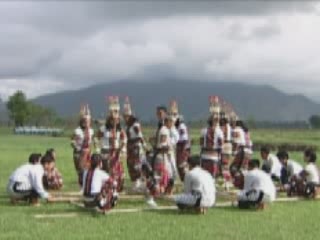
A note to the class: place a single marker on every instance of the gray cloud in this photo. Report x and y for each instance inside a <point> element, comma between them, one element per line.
<point>75,44</point>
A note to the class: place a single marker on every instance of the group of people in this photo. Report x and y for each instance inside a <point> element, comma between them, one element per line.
<point>35,178</point>
<point>154,166</point>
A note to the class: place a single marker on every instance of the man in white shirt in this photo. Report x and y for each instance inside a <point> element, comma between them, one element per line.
<point>271,163</point>
<point>199,188</point>
<point>99,189</point>
<point>258,188</point>
<point>25,183</point>
<point>309,182</point>
<point>290,171</point>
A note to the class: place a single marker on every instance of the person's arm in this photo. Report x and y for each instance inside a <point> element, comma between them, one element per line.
<point>188,183</point>
<point>36,182</point>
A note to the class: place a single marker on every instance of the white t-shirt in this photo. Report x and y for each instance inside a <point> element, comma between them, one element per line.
<point>163,133</point>
<point>312,173</point>
<point>274,164</point>
<point>293,168</point>
<point>30,175</point>
<point>259,180</point>
<point>183,132</point>
<point>238,136</point>
<point>201,181</point>
<point>98,179</point>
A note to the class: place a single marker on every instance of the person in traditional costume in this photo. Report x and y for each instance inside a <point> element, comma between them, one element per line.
<point>158,179</point>
<point>99,189</point>
<point>271,163</point>
<point>112,141</point>
<point>241,156</point>
<point>211,140</point>
<point>290,172</point>
<point>25,183</point>
<point>171,159</point>
<point>135,146</point>
<point>199,188</point>
<point>183,145</point>
<point>258,188</point>
<point>307,183</point>
<point>52,179</point>
<point>81,142</point>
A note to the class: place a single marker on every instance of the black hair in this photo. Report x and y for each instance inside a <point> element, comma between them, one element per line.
<point>265,149</point>
<point>34,158</point>
<point>223,121</point>
<point>50,152</point>
<point>254,163</point>
<point>311,155</point>
<point>162,108</point>
<point>96,159</point>
<point>46,159</point>
<point>283,154</point>
<point>194,160</point>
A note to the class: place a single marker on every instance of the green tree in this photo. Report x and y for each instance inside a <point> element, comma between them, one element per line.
<point>314,121</point>
<point>18,108</point>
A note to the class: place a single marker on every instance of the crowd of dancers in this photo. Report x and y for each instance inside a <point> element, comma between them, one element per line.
<point>155,164</point>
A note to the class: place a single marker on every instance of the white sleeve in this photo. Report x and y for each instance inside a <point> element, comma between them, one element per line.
<point>36,181</point>
<point>104,176</point>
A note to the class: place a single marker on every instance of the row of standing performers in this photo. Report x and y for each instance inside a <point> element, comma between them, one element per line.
<point>225,147</point>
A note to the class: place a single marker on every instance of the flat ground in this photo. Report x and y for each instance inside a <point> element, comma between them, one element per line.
<point>296,220</point>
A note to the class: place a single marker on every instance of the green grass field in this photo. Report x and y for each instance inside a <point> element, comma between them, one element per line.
<point>298,220</point>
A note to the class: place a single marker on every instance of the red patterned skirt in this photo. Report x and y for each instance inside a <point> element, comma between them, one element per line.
<point>134,161</point>
<point>183,153</point>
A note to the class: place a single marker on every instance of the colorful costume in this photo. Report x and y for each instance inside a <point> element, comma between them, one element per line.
<point>211,140</point>
<point>52,180</point>
<point>81,143</point>
<point>112,141</point>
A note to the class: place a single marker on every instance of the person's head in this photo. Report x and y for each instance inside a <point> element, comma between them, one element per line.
<point>161,113</point>
<point>194,161</point>
<point>264,152</point>
<point>96,161</point>
<point>51,152</point>
<point>169,121</point>
<point>283,157</point>
<point>223,122</point>
<point>254,163</point>
<point>212,121</point>
<point>47,162</point>
<point>84,123</point>
<point>310,156</point>
<point>129,119</point>
<point>34,158</point>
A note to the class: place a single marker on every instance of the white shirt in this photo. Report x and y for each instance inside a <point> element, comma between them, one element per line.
<point>238,136</point>
<point>293,168</point>
<point>98,179</point>
<point>30,176</point>
<point>183,132</point>
<point>164,133</point>
<point>312,173</point>
<point>259,180</point>
<point>274,164</point>
<point>79,137</point>
<point>119,138</point>
<point>218,135</point>
<point>199,180</point>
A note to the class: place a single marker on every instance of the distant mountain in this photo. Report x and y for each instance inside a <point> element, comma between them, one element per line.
<point>263,103</point>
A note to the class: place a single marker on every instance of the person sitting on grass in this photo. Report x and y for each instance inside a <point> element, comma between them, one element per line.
<point>99,189</point>
<point>199,188</point>
<point>290,171</point>
<point>52,179</point>
<point>308,181</point>
<point>271,163</point>
<point>25,183</point>
<point>258,188</point>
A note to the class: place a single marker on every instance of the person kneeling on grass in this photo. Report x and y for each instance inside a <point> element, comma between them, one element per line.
<point>290,172</point>
<point>52,179</point>
<point>99,189</point>
<point>25,183</point>
<point>199,188</point>
<point>258,188</point>
<point>307,183</point>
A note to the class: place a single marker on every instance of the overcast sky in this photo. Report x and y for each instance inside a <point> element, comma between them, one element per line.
<point>53,46</point>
